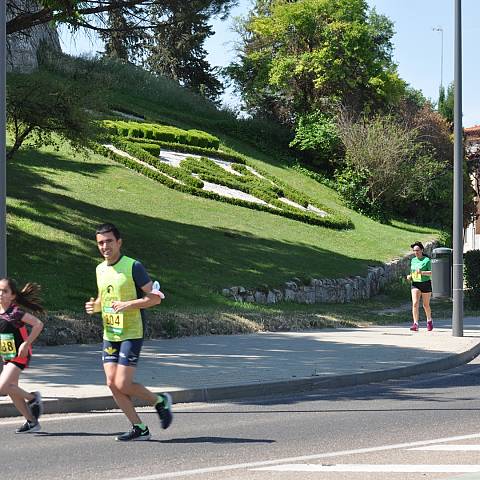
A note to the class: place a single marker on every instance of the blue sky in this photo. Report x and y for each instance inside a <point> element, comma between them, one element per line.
<point>417,47</point>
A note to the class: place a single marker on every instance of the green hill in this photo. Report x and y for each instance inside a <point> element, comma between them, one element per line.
<point>194,245</point>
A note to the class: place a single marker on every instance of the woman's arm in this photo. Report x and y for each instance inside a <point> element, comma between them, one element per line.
<point>37,327</point>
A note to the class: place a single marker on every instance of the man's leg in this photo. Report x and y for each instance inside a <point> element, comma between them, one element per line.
<point>122,399</point>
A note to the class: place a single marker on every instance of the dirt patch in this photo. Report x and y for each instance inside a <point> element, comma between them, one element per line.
<point>65,328</point>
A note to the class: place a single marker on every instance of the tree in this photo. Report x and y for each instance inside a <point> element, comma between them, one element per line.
<point>446,102</point>
<point>167,35</point>
<point>297,57</point>
<point>25,14</point>
<point>175,49</point>
<point>123,40</point>
<point>44,110</point>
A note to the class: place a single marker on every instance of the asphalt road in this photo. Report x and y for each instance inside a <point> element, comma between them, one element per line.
<point>424,427</point>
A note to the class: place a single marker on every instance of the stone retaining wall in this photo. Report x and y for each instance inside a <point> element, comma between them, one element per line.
<point>339,290</point>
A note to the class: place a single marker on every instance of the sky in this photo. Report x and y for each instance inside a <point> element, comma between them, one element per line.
<point>417,46</point>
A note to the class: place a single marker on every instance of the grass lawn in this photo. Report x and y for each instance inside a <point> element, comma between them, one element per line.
<point>194,246</point>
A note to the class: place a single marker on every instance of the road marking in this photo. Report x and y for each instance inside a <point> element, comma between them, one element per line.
<point>450,448</point>
<point>93,414</point>
<point>253,465</point>
<point>66,416</point>
<point>360,467</point>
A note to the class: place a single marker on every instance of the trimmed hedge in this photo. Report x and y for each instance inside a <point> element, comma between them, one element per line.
<point>164,133</point>
<point>331,221</point>
<point>472,276</point>
<point>178,173</point>
<point>151,148</point>
<point>182,148</point>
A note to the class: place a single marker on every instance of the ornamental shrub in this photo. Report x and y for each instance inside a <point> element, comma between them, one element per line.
<point>151,148</point>
<point>164,133</point>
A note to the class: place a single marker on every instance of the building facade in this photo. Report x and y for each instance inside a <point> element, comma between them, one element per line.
<point>472,147</point>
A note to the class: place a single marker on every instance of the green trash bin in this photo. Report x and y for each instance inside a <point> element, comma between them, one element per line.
<point>442,272</point>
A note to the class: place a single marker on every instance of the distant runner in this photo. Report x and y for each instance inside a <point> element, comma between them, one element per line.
<point>124,290</point>
<point>420,276</point>
<point>16,347</point>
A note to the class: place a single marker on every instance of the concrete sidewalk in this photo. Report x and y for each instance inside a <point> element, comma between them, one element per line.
<point>196,369</point>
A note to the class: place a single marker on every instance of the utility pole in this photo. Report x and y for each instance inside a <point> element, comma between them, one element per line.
<point>3,142</point>
<point>457,313</point>
<point>440,29</point>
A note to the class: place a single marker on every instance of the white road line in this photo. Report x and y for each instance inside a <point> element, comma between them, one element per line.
<point>398,468</point>
<point>94,414</point>
<point>253,465</point>
<point>66,416</point>
<point>450,448</point>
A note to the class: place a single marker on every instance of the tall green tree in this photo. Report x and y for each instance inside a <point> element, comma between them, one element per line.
<point>175,48</point>
<point>446,102</point>
<point>299,56</point>
<point>123,39</point>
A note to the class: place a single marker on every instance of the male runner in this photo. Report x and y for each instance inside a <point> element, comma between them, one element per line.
<point>124,291</point>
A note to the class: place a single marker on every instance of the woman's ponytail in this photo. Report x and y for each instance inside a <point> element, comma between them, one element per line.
<point>28,297</point>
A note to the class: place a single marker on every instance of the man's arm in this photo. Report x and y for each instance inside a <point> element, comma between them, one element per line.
<point>149,300</point>
<point>145,284</point>
<point>93,305</point>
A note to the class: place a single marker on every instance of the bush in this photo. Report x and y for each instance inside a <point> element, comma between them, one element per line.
<point>352,184</point>
<point>178,173</point>
<point>208,152</point>
<point>151,148</point>
<point>472,276</point>
<point>397,166</point>
<point>317,135</point>
<point>164,133</point>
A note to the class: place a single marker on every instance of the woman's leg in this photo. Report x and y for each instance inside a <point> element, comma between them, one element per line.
<point>426,305</point>
<point>416,294</point>
<point>9,386</point>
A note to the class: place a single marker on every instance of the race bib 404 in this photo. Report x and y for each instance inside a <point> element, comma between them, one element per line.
<point>113,322</point>
<point>8,350</point>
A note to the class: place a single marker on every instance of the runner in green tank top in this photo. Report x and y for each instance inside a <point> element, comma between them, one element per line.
<point>420,276</point>
<point>124,291</point>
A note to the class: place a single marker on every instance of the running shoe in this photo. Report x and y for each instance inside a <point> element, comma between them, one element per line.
<point>36,405</point>
<point>134,434</point>
<point>28,427</point>
<point>430,325</point>
<point>414,327</point>
<point>164,410</point>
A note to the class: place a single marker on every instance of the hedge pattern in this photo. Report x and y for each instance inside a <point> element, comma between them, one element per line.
<point>183,148</point>
<point>332,220</point>
<point>165,133</point>
<point>178,173</point>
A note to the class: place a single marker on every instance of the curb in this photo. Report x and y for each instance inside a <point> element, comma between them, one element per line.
<point>211,394</point>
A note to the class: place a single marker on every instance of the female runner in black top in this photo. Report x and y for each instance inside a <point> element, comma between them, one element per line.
<point>16,347</point>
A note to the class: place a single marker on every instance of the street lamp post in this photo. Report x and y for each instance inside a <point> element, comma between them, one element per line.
<point>440,29</point>
<point>3,160</point>
<point>457,313</point>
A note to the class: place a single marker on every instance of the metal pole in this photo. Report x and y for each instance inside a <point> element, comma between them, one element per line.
<point>440,29</point>
<point>441,61</point>
<point>3,160</point>
<point>457,316</point>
